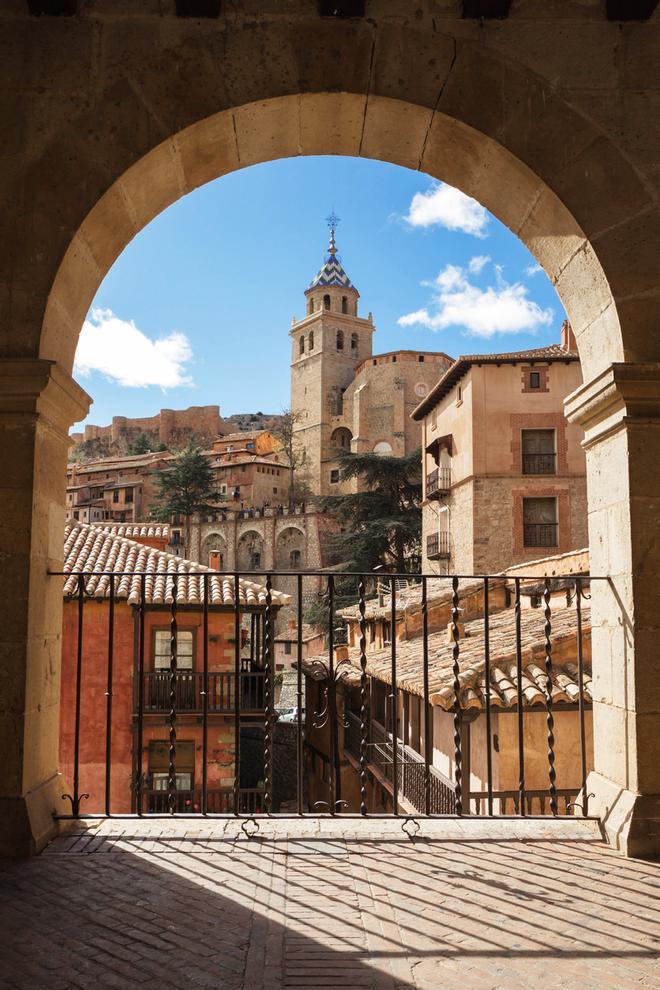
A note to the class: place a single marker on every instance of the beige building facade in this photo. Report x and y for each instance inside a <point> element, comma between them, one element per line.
<point>504,472</point>
<point>343,396</point>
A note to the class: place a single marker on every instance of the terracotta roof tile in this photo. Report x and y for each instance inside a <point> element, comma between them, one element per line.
<point>148,530</point>
<point>88,549</point>
<point>503,680</point>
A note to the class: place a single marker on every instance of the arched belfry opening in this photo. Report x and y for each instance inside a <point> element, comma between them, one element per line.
<point>452,98</point>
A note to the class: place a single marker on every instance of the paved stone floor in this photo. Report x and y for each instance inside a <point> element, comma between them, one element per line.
<point>471,904</point>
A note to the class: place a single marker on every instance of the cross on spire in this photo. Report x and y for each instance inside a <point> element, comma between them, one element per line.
<point>332,220</point>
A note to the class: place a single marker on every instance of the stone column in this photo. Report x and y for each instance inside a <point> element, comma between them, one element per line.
<point>38,403</point>
<point>620,414</point>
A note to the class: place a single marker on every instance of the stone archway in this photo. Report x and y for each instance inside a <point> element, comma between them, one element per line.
<point>496,113</point>
<point>290,549</point>
<point>250,550</point>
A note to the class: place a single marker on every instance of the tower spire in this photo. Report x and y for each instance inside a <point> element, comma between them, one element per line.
<point>332,220</point>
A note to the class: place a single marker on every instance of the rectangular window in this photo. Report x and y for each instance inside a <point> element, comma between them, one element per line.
<point>115,495</point>
<point>334,476</point>
<point>274,491</point>
<point>287,647</point>
<point>538,452</point>
<point>184,649</point>
<point>535,379</point>
<point>540,522</point>
<point>128,495</point>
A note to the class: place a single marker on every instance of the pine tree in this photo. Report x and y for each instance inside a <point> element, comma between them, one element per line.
<point>186,487</point>
<point>383,522</point>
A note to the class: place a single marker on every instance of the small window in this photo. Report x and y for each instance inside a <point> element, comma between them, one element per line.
<point>354,342</point>
<point>310,340</point>
<point>115,495</point>
<point>344,304</point>
<point>287,647</point>
<point>459,395</point>
<point>421,359</point>
<point>540,522</point>
<point>301,350</point>
<point>274,491</point>
<point>184,649</point>
<point>334,476</point>
<point>535,379</point>
<point>326,302</point>
<point>295,558</point>
<point>538,452</point>
<point>128,495</point>
<point>340,340</point>
<point>310,306</point>
<point>255,560</point>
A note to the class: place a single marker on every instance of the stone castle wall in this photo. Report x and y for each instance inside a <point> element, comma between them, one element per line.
<point>169,426</point>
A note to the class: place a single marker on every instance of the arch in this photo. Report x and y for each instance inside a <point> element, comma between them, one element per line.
<point>383,447</point>
<point>310,340</point>
<point>250,551</point>
<point>354,341</point>
<point>341,438</point>
<point>290,549</point>
<point>344,304</point>
<point>326,301</point>
<point>340,340</point>
<point>301,344</point>
<point>213,542</point>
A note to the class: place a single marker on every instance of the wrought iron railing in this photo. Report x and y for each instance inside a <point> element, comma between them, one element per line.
<point>540,534</point>
<point>539,463</point>
<point>190,694</point>
<point>122,723</point>
<point>437,546</point>
<point>438,482</point>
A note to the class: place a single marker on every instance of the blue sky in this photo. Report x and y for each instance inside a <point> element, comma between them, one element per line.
<point>198,307</point>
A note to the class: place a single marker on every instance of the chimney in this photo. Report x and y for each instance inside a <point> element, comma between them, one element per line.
<point>568,341</point>
<point>292,624</point>
<point>214,560</point>
<point>450,631</point>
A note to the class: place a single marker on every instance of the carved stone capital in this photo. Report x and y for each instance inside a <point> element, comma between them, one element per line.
<point>621,393</point>
<point>42,389</point>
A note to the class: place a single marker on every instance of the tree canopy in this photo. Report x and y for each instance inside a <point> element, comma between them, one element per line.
<point>187,486</point>
<point>382,522</point>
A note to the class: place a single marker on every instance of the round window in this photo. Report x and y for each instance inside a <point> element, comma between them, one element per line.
<point>421,389</point>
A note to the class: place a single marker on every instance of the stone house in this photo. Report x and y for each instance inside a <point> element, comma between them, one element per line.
<point>504,471</point>
<point>89,550</point>
<point>118,489</point>
<point>345,397</point>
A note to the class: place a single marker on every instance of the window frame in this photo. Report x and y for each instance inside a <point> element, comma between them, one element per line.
<point>180,629</point>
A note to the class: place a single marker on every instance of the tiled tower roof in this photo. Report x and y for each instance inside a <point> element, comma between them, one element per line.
<point>332,272</point>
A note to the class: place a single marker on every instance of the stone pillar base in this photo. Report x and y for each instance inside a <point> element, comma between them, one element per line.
<point>631,822</point>
<point>27,821</point>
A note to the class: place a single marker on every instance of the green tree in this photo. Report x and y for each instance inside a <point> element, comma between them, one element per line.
<point>294,454</point>
<point>382,522</point>
<point>139,445</point>
<point>187,486</point>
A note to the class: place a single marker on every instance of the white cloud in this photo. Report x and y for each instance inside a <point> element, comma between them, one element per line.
<point>482,312</point>
<point>444,206</point>
<point>477,264</point>
<point>122,353</point>
<point>532,270</point>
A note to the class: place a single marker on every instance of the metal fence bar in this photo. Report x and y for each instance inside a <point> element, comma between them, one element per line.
<point>238,691</point>
<point>427,713</point>
<point>299,698</point>
<point>363,698</point>
<point>205,693</point>
<point>458,740</point>
<point>394,702</point>
<point>108,695</point>
<point>580,660</point>
<point>171,770</point>
<point>139,780</point>
<point>519,669</point>
<point>268,687</point>
<point>333,776</point>
<point>489,733</point>
<point>75,797</point>
<point>552,773</point>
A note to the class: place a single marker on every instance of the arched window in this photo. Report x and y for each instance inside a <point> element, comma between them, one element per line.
<point>310,305</point>
<point>302,345</point>
<point>340,340</point>
<point>295,558</point>
<point>344,304</point>
<point>326,302</point>
<point>341,438</point>
<point>255,560</point>
<point>310,341</point>
<point>354,341</point>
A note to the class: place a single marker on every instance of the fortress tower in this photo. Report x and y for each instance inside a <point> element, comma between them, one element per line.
<point>327,346</point>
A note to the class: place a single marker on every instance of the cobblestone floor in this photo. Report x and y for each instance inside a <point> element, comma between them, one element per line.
<point>169,904</point>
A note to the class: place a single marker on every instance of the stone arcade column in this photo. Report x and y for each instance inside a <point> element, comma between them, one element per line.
<point>620,414</point>
<point>38,403</point>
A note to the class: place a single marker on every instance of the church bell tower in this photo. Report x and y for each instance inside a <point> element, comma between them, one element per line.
<point>327,345</point>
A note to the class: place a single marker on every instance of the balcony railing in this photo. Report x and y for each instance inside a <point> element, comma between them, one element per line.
<point>437,546</point>
<point>189,691</point>
<point>189,802</point>
<point>540,534</point>
<point>539,464</point>
<point>121,722</point>
<point>438,483</point>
